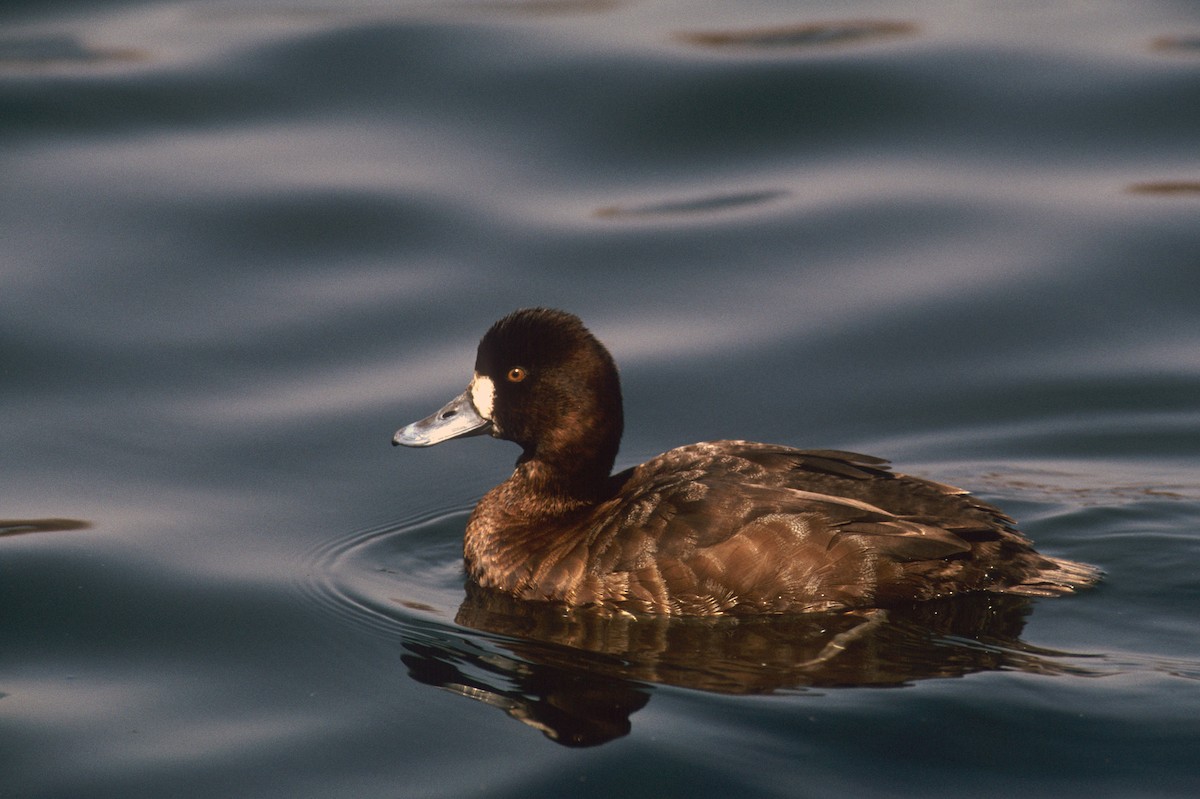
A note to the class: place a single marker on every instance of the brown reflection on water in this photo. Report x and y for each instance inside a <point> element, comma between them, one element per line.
<point>1057,485</point>
<point>11,527</point>
<point>1167,187</point>
<point>548,7</point>
<point>695,205</point>
<point>1184,45</point>
<point>817,34</point>
<point>578,675</point>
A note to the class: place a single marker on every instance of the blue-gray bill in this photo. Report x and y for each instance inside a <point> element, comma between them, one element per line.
<point>456,419</point>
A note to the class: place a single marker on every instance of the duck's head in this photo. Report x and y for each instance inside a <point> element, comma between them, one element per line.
<point>544,381</point>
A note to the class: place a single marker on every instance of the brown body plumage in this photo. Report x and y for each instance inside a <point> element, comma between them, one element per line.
<point>711,528</point>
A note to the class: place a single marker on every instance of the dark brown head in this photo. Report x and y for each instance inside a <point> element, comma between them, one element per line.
<point>544,381</point>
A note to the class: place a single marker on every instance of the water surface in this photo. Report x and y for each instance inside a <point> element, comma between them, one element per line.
<point>242,243</point>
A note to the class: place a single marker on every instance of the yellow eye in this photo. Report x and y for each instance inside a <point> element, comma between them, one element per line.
<point>516,374</point>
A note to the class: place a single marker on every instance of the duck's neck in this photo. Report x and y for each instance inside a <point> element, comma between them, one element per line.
<point>551,493</point>
<point>531,521</point>
<point>571,473</point>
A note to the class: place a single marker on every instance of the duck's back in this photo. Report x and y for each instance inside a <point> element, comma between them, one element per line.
<point>735,527</point>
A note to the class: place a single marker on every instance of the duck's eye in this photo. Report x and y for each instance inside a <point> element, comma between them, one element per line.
<point>516,374</point>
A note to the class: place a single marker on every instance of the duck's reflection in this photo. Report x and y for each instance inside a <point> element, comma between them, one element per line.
<point>25,526</point>
<point>577,675</point>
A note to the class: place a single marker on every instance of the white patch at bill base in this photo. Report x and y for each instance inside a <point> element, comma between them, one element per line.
<point>483,396</point>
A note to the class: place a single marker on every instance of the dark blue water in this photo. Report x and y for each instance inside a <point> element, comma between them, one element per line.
<point>242,242</point>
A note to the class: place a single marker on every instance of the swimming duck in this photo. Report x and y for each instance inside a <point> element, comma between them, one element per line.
<point>720,527</point>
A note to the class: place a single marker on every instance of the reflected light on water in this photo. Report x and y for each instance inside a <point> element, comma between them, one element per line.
<point>340,391</point>
<point>55,52</point>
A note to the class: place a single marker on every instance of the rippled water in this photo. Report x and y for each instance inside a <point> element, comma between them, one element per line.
<point>241,243</point>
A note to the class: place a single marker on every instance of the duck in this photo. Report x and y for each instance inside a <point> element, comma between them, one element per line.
<point>709,529</point>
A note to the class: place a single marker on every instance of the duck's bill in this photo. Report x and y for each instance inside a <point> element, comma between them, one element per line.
<point>457,419</point>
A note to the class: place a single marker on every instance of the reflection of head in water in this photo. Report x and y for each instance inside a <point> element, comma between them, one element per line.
<point>569,706</point>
